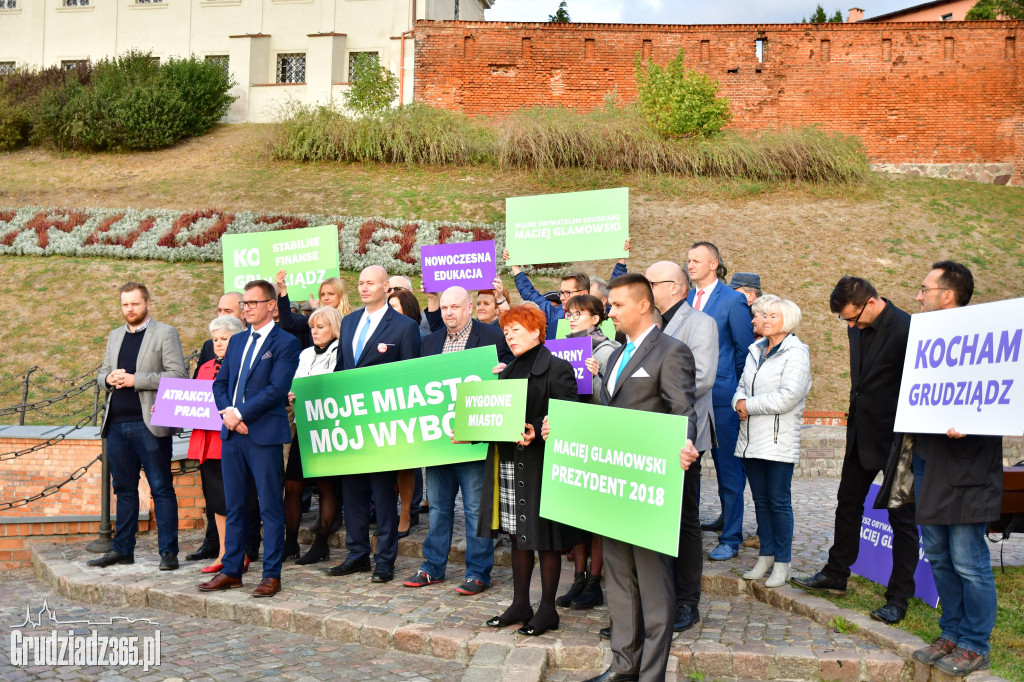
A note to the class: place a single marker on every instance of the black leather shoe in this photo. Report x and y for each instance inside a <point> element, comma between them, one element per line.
<point>111,558</point>
<point>384,573</point>
<point>503,621</point>
<point>819,582</point>
<point>686,618</point>
<point>890,614</point>
<point>715,525</point>
<point>350,566</point>
<point>609,676</point>
<point>203,552</point>
<point>168,561</point>
<point>531,630</point>
<point>605,633</point>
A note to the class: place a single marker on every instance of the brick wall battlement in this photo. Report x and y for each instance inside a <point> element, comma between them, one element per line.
<point>915,93</point>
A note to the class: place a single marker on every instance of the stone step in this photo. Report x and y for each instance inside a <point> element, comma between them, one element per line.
<point>440,624</point>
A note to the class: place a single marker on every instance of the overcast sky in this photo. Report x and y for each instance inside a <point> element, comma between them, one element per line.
<point>684,11</point>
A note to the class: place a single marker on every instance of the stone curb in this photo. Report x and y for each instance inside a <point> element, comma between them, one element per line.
<point>499,654</point>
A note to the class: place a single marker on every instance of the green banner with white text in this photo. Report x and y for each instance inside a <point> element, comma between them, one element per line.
<point>387,417</point>
<point>615,472</point>
<point>309,255</point>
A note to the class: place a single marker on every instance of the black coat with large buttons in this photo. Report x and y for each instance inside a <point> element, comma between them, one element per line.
<point>548,378</point>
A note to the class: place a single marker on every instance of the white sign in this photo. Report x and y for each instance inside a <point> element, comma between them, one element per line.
<point>965,370</point>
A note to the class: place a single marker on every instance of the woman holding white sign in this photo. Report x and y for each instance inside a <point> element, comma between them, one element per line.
<point>320,358</point>
<point>513,474</point>
<point>770,403</point>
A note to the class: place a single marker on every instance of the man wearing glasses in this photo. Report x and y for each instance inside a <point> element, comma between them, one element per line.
<point>878,333</point>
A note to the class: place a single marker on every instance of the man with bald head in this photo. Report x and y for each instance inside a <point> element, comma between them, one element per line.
<point>460,332</point>
<point>373,335</point>
<point>700,334</point>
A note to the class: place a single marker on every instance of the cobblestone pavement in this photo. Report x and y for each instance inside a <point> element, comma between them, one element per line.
<point>205,649</point>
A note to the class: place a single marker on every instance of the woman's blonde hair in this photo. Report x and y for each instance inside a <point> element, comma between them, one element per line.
<point>332,318</point>
<point>344,307</point>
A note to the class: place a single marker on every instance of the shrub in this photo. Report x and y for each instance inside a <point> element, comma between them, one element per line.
<point>679,102</point>
<point>373,86</point>
<point>20,94</point>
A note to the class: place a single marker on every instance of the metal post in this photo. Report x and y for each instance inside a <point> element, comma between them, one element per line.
<point>96,404</point>
<point>103,543</point>
<point>24,397</point>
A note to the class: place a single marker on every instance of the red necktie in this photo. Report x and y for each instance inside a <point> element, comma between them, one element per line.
<point>700,293</point>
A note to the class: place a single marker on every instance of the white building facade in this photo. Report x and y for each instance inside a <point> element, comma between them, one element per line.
<point>278,51</point>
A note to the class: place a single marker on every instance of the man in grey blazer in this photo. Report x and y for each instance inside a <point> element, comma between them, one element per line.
<point>138,355</point>
<point>656,373</point>
<point>699,332</point>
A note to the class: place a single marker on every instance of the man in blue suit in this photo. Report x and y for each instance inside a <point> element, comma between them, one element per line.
<point>729,309</point>
<point>373,335</point>
<point>460,332</point>
<point>251,390</point>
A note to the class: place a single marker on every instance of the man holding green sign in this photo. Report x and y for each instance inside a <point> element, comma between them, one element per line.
<point>651,373</point>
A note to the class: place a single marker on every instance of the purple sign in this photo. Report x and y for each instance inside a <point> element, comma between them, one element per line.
<point>470,265</point>
<point>874,560</point>
<point>576,351</point>
<point>186,404</point>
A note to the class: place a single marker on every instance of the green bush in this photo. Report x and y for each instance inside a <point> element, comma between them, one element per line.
<point>679,102</point>
<point>373,86</point>
<point>20,94</point>
<point>126,103</point>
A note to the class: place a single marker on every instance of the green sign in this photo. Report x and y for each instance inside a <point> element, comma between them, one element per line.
<point>615,472</point>
<point>562,329</point>
<point>387,417</point>
<point>309,255</point>
<point>554,228</point>
<point>495,411</point>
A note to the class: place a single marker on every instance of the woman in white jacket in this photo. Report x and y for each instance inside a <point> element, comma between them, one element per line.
<point>770,403</point>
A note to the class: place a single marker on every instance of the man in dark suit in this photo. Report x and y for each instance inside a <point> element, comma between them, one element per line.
<point>460,332</point>
<point>373,335</point>
<point>656,373</point>
<point>729,308</point>
<point>700,334</point>
<point>878,344</point>
<point>251,390</point>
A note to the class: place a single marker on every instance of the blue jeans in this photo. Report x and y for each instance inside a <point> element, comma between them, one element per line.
<point>731,479</point>
<point>963,576</point>
<point>770,484</point>
<point>443,482</point>
<point>131,446</point>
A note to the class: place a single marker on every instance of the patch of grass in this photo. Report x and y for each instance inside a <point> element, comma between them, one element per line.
<point>864,596</point>
<point>842,625</point>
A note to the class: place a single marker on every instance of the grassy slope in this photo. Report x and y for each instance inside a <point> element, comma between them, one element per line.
<point>801,238</point>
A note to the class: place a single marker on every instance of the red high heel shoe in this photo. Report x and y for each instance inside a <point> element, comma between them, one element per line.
<point>245,566</point>
<point>213,568</point>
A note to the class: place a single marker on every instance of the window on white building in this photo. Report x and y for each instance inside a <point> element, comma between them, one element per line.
<point>220,60</point>
<point>7,67</point>
<point>352,56</point>
<point>149,2</point>
<point>71,64</point>
<point>8,4</point>
<point>76,3</point>
<point>291,68</point>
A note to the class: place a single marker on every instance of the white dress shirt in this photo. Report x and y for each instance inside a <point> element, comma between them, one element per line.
<point>613,375</point>
<point>264,332</point>
<point>375,318</point>
<point>707,294</point>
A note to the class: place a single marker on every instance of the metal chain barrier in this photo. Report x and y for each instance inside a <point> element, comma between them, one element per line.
<point>50,489</point>
<point>71,393</point>
<point>14,454</point>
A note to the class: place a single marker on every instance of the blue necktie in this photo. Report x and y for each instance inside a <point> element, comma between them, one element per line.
<point>243,374</point>
<point>361,341</point>
<point>626,355</point>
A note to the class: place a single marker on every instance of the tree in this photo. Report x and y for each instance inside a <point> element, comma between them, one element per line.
<point>373,87</point>
<point>996,9</point>
<point>818,16</point>
<point>677,101</point>
<point>561,15</point>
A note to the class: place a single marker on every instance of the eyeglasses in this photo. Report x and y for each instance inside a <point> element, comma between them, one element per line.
<point>253,304</point>
<point>853,320</point>
<point>392,290</point>
<point>575,315</point>
<point>567,294</point>
<point>665,281</point>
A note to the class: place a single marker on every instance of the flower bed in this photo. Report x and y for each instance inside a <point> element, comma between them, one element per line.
<point>195,235</point>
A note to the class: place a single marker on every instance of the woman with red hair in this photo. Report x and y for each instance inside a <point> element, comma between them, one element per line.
<point>510,500</point>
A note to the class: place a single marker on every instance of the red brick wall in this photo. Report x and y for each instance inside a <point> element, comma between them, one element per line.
<point>935,92</point>
<point>30,474</point>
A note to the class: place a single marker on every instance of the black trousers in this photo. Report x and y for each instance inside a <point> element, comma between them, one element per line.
<point>689,564</point>
<point>853,488</point>
<point>358,490</point>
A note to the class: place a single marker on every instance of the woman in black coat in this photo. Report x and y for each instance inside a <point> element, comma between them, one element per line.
<point>510,499</point>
